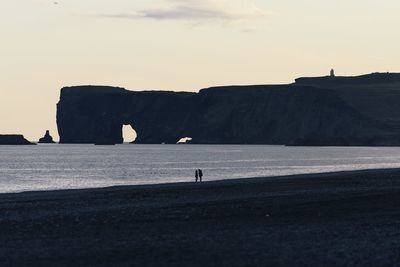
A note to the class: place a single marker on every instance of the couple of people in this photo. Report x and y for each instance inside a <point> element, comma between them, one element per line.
<point>198,174</point>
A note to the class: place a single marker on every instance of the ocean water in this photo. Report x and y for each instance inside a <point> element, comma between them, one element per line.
<point>48,167</point>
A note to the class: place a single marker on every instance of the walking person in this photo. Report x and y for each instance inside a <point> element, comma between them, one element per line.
<point>201,175</point>
<point>196,175</point>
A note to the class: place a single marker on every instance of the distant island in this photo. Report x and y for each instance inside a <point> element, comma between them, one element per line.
<point>314,111</point>
<point>14,139</point>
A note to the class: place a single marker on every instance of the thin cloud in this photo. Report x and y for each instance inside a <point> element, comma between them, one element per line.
<point>197,10</point>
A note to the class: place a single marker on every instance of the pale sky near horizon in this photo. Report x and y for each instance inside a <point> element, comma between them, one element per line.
<point>180,45</point>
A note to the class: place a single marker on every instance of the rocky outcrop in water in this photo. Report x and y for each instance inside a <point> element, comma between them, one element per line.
<point>360,110</point>
<point>14,139</point>
<point>47,138</point>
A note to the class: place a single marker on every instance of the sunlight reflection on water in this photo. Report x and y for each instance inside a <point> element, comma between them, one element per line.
<point>45,167</point>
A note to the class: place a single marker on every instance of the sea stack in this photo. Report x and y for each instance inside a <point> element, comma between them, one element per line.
<point>46,139</point>
<point>14,139</point>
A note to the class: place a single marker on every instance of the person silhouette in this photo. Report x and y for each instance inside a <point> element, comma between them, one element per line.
<point>200,175</point>
<point>196,175</point>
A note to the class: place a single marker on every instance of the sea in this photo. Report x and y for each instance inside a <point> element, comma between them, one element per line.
<point>54,167</point>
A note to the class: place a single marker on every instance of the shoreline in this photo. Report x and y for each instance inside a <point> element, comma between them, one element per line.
<point>331,219</point>
<point>213,182</point>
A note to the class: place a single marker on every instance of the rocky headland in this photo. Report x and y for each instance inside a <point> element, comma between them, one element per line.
<point>323,111</point>
<point>14,139</point>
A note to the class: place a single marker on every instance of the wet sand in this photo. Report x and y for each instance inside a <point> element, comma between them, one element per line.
<point>339,219</point>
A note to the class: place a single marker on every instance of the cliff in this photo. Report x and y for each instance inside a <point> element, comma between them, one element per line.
<point>14,139</point>
<point>359,110</point>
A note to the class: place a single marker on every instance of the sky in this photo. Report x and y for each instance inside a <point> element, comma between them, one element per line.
<point>181,45</point>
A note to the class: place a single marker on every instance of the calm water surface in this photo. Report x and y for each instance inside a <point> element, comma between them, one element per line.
<point>44,167</point>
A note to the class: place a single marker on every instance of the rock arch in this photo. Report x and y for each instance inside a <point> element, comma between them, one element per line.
<point>281,114</point>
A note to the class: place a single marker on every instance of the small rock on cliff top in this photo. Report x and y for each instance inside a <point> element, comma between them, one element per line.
<point>46,139</point>
<point>14,139</point>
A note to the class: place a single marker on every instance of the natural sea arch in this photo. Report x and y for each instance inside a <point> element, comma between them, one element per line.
<point>128,133</point>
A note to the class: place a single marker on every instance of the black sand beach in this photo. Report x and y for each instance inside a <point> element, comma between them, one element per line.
<point>340,219</point>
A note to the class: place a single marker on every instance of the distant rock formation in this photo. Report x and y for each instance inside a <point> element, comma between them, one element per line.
<point>46,139</point>
<point>14,139</point>
<point>348,111</point>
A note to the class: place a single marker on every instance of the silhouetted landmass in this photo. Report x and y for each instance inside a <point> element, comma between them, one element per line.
<point>340,219</point>
<point>368,79</point>
<point>47,138</point>
<point>14,139</point>
<point>361,110</point>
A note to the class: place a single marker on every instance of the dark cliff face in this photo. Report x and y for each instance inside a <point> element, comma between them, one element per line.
<point>96,115</point>
<point>284,114</point>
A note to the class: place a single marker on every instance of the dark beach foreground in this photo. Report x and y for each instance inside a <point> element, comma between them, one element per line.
<point>339,219</point>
